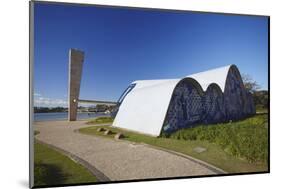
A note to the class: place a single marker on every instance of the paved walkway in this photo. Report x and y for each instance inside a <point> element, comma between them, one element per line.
<point>117,160</point>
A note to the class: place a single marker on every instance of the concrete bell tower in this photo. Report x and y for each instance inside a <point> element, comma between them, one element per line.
<point>76,59</point>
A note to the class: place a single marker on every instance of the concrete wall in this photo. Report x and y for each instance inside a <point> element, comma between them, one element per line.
<point>76,59</point>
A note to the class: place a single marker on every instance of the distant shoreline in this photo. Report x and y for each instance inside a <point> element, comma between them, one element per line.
<point>67,112</point>
<point>55,116</point>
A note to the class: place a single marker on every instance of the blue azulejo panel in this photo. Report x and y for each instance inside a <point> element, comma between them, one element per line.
<point>189,106</point>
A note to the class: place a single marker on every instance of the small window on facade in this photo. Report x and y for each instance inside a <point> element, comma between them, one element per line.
<point>126,92</point>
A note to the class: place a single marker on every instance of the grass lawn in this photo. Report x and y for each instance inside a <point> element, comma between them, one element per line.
<point>101,120</point>
<point>53,168</point>
<point>262,110</point>
<point>215,153</point>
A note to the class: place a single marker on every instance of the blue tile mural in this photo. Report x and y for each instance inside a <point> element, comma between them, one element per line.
<point>214,109</point>
<point>190,106</point>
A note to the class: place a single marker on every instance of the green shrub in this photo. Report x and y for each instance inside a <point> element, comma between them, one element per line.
<point>247,139</point>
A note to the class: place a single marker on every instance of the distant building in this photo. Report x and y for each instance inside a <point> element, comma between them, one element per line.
<point>101,108</point>
<point>155,106</point>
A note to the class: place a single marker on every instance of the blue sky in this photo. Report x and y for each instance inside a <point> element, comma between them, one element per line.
<point>122,45</point>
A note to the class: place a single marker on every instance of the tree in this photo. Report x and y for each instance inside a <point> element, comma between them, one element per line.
<point>260,97</point>
<point>250,85</point>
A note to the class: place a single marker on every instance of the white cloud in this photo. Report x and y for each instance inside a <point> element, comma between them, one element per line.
<point>40,101</point>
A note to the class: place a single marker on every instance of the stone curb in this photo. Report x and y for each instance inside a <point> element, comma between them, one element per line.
<point>98,174</point>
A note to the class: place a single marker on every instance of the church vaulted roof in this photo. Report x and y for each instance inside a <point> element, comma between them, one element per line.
<point>144,108</point>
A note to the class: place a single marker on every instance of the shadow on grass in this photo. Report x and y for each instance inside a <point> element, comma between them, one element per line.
<point>113,133</point>
<point>48,174</point>
<point>262,113</point>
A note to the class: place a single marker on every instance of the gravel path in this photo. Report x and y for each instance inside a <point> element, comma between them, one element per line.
<point>117,160</point>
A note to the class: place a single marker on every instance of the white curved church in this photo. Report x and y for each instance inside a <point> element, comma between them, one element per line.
<point>155,106</point>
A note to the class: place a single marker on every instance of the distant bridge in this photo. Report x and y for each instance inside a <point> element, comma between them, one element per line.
<point>76,59</point>
<point>97,102</point>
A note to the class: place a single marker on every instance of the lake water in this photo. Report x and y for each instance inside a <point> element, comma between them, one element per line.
<point>64,116</point>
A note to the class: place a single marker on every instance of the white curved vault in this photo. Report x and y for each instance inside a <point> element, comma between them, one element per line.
<point>152,106</point>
